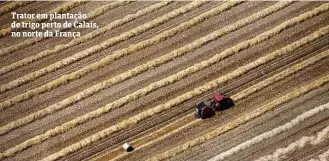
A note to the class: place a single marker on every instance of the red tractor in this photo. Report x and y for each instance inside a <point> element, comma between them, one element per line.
<point>219,102</point>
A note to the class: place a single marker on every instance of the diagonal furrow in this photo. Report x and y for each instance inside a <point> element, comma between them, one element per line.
<point>84,38</point>
<point>104,61</point>
<point>161,121</point>
<point>30,41</point>
<point>13,5</point>
<point>104,45</point>
<point>177,125</point>
<point>139,69</point>
<point>314,140</point>
<point>108,59</point>
<point>171,103</point>
<point>61,9</point>
<point>321,136</point>
<point>322,157</point>
<point>241,120</point>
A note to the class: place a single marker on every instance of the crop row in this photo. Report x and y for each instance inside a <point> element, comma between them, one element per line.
<point>133,96</point>
<point>157,135</point>
<point>281,75</point>
<point>171,103</point>
<point>150,138</point>
<point>242,94</point>
<point>149,65</point>
<point>104,45</point>
<point>243,47</point>
<point>61,9</point>
<point>322,157</point>
<point>234,74</point>
<point>281,153</point>
<point>279,130</point>
<point>103,62</point>
<point>13,5</point>
<point>27,142</point>
<point>30,41</point>
<point>86,37</point>
<point>53,132</point>
<point>241,120</point>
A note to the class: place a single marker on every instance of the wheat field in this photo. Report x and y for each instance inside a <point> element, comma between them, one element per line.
<point>137,78</point>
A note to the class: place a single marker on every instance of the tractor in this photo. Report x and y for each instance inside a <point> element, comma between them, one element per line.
<point>219,102</point>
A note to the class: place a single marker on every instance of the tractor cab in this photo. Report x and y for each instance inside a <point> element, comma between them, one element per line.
<point>204,111</point>
<point>221,102</point>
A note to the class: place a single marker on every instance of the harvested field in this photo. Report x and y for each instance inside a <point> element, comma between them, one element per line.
<point>138,77</point>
